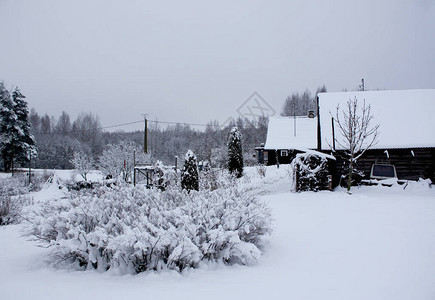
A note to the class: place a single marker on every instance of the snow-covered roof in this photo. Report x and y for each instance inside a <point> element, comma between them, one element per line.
<point>405,118</point>
<point>281,133</point>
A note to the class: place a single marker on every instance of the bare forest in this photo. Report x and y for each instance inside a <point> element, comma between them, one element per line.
<point>57,140</point>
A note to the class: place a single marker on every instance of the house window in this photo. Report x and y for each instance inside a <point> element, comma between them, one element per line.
<point>284,153</point>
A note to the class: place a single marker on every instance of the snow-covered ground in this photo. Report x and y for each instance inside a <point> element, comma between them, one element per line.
<point>378,243</point>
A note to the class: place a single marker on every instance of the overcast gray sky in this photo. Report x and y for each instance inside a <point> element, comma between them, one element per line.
<point>196,61</point>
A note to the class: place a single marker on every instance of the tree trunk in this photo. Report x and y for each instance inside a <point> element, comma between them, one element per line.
<point>349,177</point>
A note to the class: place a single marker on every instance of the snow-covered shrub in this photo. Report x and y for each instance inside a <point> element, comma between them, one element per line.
<point>83,163</point>
<point>219,157</point>
<point>134,229</point>
<point>11,208</point>
<point>235,153</point>
<point>164,176</point>
<point>13,197</point>
<point>214,179</point>
<point>261,170</point>
<point>356,178</point>
<point>118,160</point>
<point>210,179</point>
<point>39,180</point>
<point>14,185</point>
<point>190,177</point>
<point>249,159</point>
<point>310,172</point>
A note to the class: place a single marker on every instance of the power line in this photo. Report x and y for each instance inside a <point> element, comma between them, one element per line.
<point>120,125</point>
<point>181,123</point>
<point>131,123</point>
<point>93,129</point>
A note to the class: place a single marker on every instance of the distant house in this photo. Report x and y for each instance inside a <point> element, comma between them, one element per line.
<point>407,130</point>
<point>286,137</point>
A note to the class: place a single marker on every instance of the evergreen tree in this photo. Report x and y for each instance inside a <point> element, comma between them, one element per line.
<point>46,124</point>
<point>189,177</point>
<point>26,141</point>
<point>35,121</point>
<point>7,126</point>
<point>16,139</point>
<point>235,153</point>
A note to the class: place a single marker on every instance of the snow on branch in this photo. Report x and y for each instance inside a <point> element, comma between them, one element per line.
<point>358,133</point>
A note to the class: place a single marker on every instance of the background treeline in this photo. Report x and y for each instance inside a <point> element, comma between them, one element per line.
<point>300,104</point>
<point>57,139</point>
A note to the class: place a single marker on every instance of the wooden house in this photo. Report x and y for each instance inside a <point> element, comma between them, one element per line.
<point>406,130</point>
<point>406,133</point>
<point>286,137</point>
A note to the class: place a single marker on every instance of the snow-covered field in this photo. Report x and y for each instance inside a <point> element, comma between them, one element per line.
<point>378,243</point>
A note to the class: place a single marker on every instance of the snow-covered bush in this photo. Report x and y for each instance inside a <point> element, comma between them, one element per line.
<point>214,179</point>
<point>134,229</point>
<point>13,197</point>
<point>210,179</point>
<point>249,159</point>
<point>310,172</point>
<point>83,163</point>
<point>164,176</point>
<point>190,177</point>
<point>235,153</point>
<point>261,170</point>
<point>219,157</point>
<point>39,180</point>
<point>118,160</point>
<point>11,208</point>
<point>356,178</point>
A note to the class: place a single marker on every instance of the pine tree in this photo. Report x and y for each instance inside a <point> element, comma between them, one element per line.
<point>16,140</point>
<point>7,126</point>
<point>235,153</point>
<point>189,177</point>
<point>26,141</point>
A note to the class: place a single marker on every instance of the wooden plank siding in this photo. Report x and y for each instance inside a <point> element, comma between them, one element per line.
<point>408,166</point>
<point>273,155</point>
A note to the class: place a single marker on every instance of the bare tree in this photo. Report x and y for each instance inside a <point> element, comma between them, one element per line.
<point>63,125</point>
<point>87,129</point>
<point>83,163</point>
<point>320,89</point>
<point>300,104</point>
<point>358,134</point>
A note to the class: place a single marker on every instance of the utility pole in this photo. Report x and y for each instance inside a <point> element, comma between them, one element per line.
<point>319,135</point>
<point>30,167</point>
<point>145,138</point>
<point>333,133</point>
<point>294,117</point>
<point>134,167</point>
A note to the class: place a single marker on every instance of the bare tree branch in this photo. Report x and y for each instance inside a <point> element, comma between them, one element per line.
<point>358,134</point>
